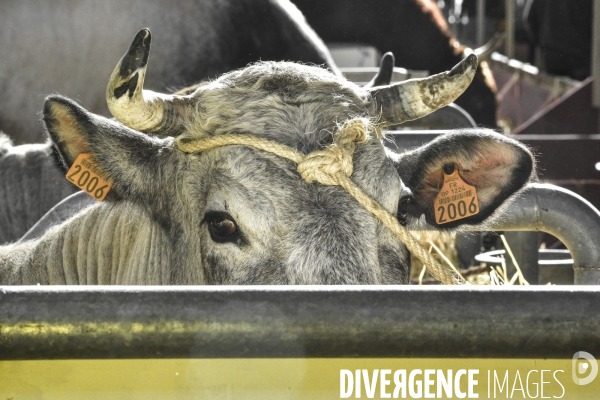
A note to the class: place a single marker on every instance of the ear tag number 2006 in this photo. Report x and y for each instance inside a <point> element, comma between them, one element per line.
<point>87,176</point>
<point>456,199</point>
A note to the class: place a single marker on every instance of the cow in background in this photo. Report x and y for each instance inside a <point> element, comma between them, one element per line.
<point>197,39</point>
<point>31,182</point>
<point>414,30</point>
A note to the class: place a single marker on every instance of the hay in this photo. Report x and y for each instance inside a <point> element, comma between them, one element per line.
<point>443,247</point>
<point>445,242</point>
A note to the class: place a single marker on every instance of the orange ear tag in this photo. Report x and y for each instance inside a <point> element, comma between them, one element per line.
<point>87,176</point>
<point>456,200</point>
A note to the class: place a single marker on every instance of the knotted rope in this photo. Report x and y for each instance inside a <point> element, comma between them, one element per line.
<point>333,166</point>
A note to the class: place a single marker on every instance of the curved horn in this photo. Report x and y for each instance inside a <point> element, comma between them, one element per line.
<point>415,98</point>
<point>386,70</point>
<point>140,109</point>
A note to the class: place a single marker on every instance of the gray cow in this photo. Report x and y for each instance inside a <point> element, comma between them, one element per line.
<point>199,39</point>
<point>238,215</point>
<point>37,36</point>
<point>32,182</point>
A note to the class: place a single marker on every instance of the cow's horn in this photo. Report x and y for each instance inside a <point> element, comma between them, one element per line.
<point>385,73</point>
<point>140,109</point>
<point>415,98</point>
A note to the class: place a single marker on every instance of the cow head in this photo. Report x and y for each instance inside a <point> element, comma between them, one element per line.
<point>237,215</point>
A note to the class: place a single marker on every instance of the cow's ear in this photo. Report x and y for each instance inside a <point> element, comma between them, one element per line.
<point>128,158</point>
<point>66,124</point>
<point>495,165</point>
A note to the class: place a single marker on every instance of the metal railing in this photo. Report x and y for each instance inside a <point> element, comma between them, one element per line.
<point>297,321</point>
<point>564,214</point>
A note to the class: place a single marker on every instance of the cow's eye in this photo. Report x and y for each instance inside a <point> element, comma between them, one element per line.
<point>222,227</point>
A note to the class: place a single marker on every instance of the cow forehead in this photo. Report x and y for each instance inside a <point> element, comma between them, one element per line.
<point>286,102</point>
<point>281,77</point>
<point>299,106</point>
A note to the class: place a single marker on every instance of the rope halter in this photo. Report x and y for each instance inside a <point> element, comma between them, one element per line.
<point>329,165</point>
<point>333,166</point>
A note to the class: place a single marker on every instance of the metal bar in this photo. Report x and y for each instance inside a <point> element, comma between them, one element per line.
<point>596,54</point>
<point>529,74</point>
<point>564,214</point>
<point>362,75</point>
<point>244,322</point>
<point>480,23</point>
<point>509,7</point>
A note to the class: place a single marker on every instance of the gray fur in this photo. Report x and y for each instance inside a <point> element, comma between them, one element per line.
<point>153,227</point>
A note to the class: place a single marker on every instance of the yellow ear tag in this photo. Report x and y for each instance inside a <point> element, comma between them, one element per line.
<point>87,176</point>
<point>456,200</point>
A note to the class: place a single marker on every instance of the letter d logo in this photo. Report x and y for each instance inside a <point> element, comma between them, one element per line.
<point>583,367</point>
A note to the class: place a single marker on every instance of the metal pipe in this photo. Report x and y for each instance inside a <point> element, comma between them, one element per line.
<point>509,7</point>
<point>480,23</point>
<point>564,214</point>
<point>64,322</point>
<point>596,54</point>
